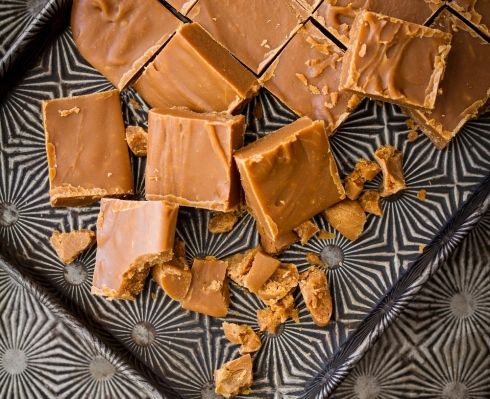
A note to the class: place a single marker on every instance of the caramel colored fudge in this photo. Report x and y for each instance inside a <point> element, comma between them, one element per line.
<point>475,11</point>
<point>316,293</point>
<point>274,246</point>
<point>239,265</point>
<point>137,139</point>
<point>182,6</point>
<point>262,268</point>
<point>347,217</point>
<point>132,237</point>
<point>370,202</point>
<point>208,293</point>
<point>69,245</point>
<point>196,72</point>
<point>391,162</point>
<point>363,171</point>
<point>230,22</point>
<point>119,36</point>
<point>396,61</point>
<point>190,158</point>
<point>464,91</point>
<point>222,222</point>
<point>338,15</point>
<point>234,377</point>
<point>87,154</point>
<point>306,76</point>
<point>271,317</point>
<point>306,231</point>
<point>282,281</point>
<point>289,176</point>
<point>243,335</point>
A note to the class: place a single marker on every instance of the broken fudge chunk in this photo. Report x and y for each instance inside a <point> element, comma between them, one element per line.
<point>137,139</point>
<point>393,60</point>
<point>277,313</point>
<point>222,222</point>
<point>208,293</point>
<point>282,281</point>
<point>234,377</point>
<point>306,230</point>
<point>347,217</point>
<point>370,202</point>
<point>132,237</point>
<point>363,171</point>
<point>240,264</point>
<point>316,293</point>
<point>69,245</point>
<point>475,11</point>
<point>314,259</point>
<point>391,162</point>
<point>243,335</point>
<point>207,78</point>
<point>190,158</point>
<point>87,155</point>
<point>274,246</point>
<point>119,36</point>
<point>262,268</point>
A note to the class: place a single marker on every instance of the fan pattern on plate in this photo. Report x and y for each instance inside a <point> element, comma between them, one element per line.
<point>177,344</point>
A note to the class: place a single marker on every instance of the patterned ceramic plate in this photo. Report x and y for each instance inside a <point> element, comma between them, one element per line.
<point>157,349</point>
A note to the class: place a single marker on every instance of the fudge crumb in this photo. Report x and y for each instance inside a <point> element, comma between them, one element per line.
<point>370,202</point>
<point>313,259</point>
<point>314,89</point>
<point>243,335</point>
<point>302,78</point>
<point>363,171</point>
<point>69,246</point>
<point>306,231</point>
<point>421,248</point>
<point>313,285</point>
<point>264,44</point>
<point>135,104</point>
<point>67,112</point>
<point>347,217</point>
<point>422,194</point>
<point>282,281</point>
<point>234,377</point>
<point>137,139</point>
<point>391,162</point>
<point>325,235</point>
<point>412,135</point>
<point>362,50</point>
<point>411,124</point>
<point>222,222</point>
<point>270,318</point>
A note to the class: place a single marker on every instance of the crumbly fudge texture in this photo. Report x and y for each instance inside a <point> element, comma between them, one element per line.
<point>239,265</point>
<point>316,293</point>
<point>391,162</point>
<point>282,281</point>
<point>277,313</point>
<point>234,377</point>
<point>243,335</point>
<point>306,231</point>
<point>347,217</point>
<point>69,245</point>
<point>222,222</point>
<point>370,202</point>
<point>263,267</point>
<point>314,259</point>
<point>137,139</point>
<point>476,11</point>
<point>363,171</point>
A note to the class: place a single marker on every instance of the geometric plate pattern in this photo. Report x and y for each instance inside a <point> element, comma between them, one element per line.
<point>46,352</point>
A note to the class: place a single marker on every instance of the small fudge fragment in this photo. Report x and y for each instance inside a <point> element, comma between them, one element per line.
<point>391,162</point>
<point>338,15</point>
<point>422,194</point>
<point>119,36</point>
<point>306,76</point>
<point>222,222</point>
<point>465,87</point>
<point>347,217</point>
<point>271,317</point>
<point>137,139</point>
<point>274,246</point>
<point>132,237</point>
<point>316,293</point>
<point>282,281</point>
<point>244,335</point>
<point>87,155</point>
<point>289,176</point>
<point>475,11</point>
<point>190,158</point>
<point>234,377</point>
<point>384,60</point>
<point>240,264</point>
<point>182,6</point>
<point>69,245</point>
<point>325,235</point>
<point>230,22</point>
<point>306,230</point>
<point>363,171</point>
<point>263,267</point>
<point>208,293</point>
<point>314,259</point>
<point>221,84</point>
<point>370,202</point>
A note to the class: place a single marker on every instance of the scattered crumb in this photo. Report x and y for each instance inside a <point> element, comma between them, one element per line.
<point>222,222</point>
<point>153,296</point>
<point>412,135</point>
<point>67,112</point>
<point>422,194</point>
<point>325,235</point>
<point>306,230</point>
<point>137,139</point>
<point>302,78</point>
<point>313,259</point>
<point>271,317</point>
<point>421,248</point>
<point>135,104</point>
<point>411,124</point>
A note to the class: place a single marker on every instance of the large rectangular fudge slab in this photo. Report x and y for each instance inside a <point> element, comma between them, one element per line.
<point>196,72</point>
<point>394,60</point>
<point>87,153</point>
<point>190,158</point>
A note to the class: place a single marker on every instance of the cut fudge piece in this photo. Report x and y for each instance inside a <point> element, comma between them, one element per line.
<point>69,245</point>
<point>271,317</point>
<point>282,281</point>
<point>240,264</point>
<point>182,6</point>
<point>230,22</point>
<point>119,36</point>
<point>137,139</point>
<point>222,222</point>
<point>196,72</point>
<point>306,231</point>
<point>243,335</point>
<point>234,377</point>
<point>316,293</point>
<point>306,76</point>
<point>132,237</point>
<point>363,171</point>
<point>190,158</point>
<point>208,293</point>
<point>337,15</point>
<point>347,217</point>
<point>262,268</point>
<point>464,91</point>
<point>370,202</point>
<point>391,162</point>
<point>393,60</point>
<point>289,176</point>
<point>475,11</point>
<point>87,154</point>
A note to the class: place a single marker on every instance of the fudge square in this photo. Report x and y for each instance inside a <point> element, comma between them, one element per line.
<point>230,22</point>
<point>306,75</point>
<point>119,36</point>
<point>394,60</point>
<point>196,72</point>
<point>87,153</point>
<point>132,237</point>
<point>190,158</point>
<point>289,176</point>
<point>465,89</point>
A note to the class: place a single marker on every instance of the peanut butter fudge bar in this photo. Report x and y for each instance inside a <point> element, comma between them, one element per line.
<point>338,15</point>
<point>464,91</point>
<point>190,158</point>
<point>69,245</point>
<point>253,31</point>
<point>196,72</point>
<point>306,76</point>
<point>182,6</point>
<point>119,36</point>
<point>393,60</point>
<point>87,153</point>
<point>132,236</point>
<point>476,11</point>
<point>289,176</point>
